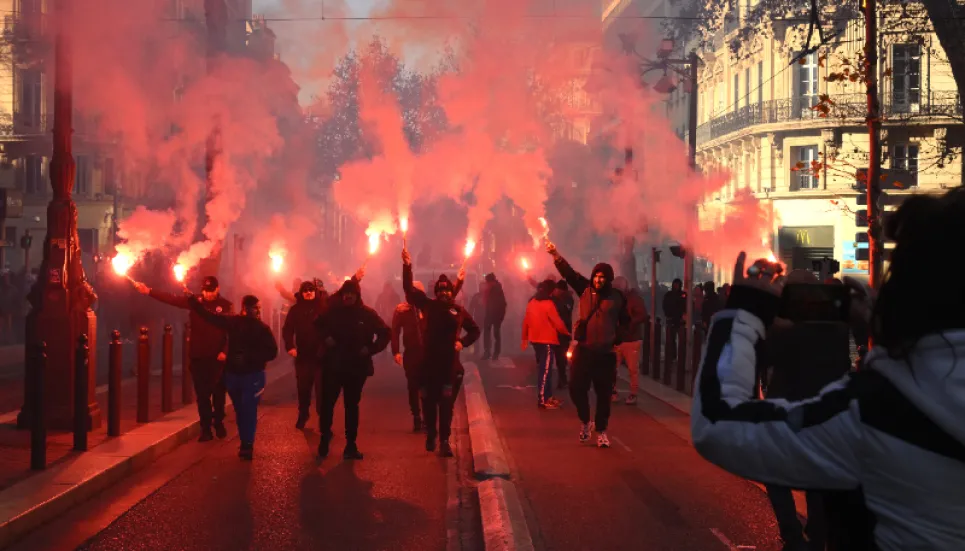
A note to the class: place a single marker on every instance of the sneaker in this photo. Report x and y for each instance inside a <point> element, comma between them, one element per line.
<point>631,400</point>
<point>206,436</point>
<point>549,404</point>
<point>416,424</point>
<point>247,451</point>
<point>615,397</point>
<point>585,430</point>
<point>602,440</point>
<point>556,401</point>
<point>430,443</point>
<point>352,452</point>
<point>445,450</point>
<point>302,421</point>
<point>323,447</point>
<point>220,431</point>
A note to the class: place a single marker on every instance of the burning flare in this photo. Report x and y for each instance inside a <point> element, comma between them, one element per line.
<point>277,260</point>
<point>180,270</point>
<point>373,243</point>
<point>470,247</point>
<point>524,263</point>
<point>122,263</point>
<point>404,224</point>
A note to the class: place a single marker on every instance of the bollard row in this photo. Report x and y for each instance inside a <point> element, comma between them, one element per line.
<point>669,358</point>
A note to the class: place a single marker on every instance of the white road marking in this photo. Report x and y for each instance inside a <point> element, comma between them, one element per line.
<point>618,441</point>
<point>514,387</point>
<point>727,543</point>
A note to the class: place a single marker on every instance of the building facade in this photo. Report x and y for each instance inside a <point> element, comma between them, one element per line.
<point>789,127</point>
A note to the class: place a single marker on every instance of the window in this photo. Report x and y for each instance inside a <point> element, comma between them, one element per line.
<point>806,177</point>
<point>82,175</point>
<point>736,92</point>
<point>33,182</point>
<point>807,83</point>
<point>905,159</point>
<point>31,98</point>
<point>110,184</point>
<point>747,86</point>
<point>906,76</point>
<point>760,82</point>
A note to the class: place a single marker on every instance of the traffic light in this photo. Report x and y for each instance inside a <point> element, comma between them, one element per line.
<point>861,218</point>
<point>26,241</point>
<point>862,254</point>
<point>861,237</point>
<point>678,250</point>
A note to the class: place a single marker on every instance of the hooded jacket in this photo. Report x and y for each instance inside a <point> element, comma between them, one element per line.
<point>637,310</point>
<point>893,429</point>
<point>602,311</point>
<point>207,339</point>
<point>494,301</point>
<point>251,344</point>
<point>358,333</point>
<point>299,331</point>
<point>409,324</point>
<point>542,323</point>
<point>444,324</point>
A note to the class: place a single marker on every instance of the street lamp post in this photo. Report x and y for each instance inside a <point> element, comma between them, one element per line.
<point>61,299</point>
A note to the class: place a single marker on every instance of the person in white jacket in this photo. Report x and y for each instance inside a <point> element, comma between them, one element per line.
<point>894,429</point>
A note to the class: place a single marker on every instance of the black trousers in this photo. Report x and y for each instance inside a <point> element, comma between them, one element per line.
<point>562,363</point>
<point>493,329</point>
<point>333,383</point>
<point>208,377</point>
<point>308,376</point>
<point>782,502</point>
<point>414,386</point>
<point>438,401</point>
<point>596,369</point>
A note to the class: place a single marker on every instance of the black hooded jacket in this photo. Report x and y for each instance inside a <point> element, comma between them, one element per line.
<point>445,322</point>
<point>251,345</point>
<point>357,333</point>
<point>602,312</point>
<point>494,301</point>
<point>299,331</point>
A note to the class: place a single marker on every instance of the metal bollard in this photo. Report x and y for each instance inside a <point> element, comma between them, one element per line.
<point>187,391</point>
<point>167,370</point>
<point>698,346</point>
<point>655,355</point>
<point>115,365</point>
<point>681,359</point>
<point>645,352</point>
<point>38,421</point>
<point>143,376</point>
<point>668,354</point>
<point>81,380</point>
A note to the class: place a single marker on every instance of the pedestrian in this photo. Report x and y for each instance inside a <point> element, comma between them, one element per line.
<point>630,349</point>
<point>304,345</point>
<point>209,344</point>
<point>352,334</point>
<point>542,326</point>
<point>441,371</point>
<point>494,300</point>
<point>674,308</point>
<point>711,305</point>
<point>387,301</point>
<point>563,300</point>
<point>603,310</point>
<point>251,345</point>
<point>409,322</point>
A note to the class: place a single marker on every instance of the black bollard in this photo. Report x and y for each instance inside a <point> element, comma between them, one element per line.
<point>655,364</point>
<point>38,421</point>
<point>187,391</point>
<point>116,361</point>
<point>698,346</point>
<point>669,352</point>
<point>645,351</point>
<point>167,370</point>
<point>143,376</point>
<point>681,359</point>
<point>81,380</point>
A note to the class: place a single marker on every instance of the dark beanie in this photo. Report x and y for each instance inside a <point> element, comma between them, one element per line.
<point>307,287</point>
<point>351,286</point>
<point>249,301</point>
<point>562,285</point>
<point>442,284</point>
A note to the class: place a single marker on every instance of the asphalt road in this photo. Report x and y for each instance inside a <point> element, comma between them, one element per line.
<point>202,497</point>
<point>649,491</point>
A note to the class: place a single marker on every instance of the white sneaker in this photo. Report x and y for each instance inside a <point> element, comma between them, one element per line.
<point>585,430</point>
<point>631,399</point>
<point>602,441</point>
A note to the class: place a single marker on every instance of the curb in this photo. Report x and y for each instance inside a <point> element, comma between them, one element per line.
<point>488,455</point>
<point>30,503</point>
<point>503,519</point>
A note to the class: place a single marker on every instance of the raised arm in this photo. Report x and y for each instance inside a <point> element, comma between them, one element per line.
<point>178,301</point>
<point>578,282</point>
<point>460,281</point>
<point>217,320</point>
<point>285,293</point>
<point>413,296</point>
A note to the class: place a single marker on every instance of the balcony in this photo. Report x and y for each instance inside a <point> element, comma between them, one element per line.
<point>849,107</point>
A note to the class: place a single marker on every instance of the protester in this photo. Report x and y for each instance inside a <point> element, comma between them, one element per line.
<point>251,345</point>
<point>441,371</point>
<point>603,310</point>
<point>630,349</point>
<point>674,308</point>
<point>304,345</point>
<point>387,300</point>
<point>892,429</point>
<point>208,348</point>
<point>494,302</point>
<point>542,326</point>
<point>410,322</point>
<point>712,304</point>
<point>352,334</point>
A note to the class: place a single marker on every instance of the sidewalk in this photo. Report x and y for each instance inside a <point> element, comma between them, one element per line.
<point>30,498</point>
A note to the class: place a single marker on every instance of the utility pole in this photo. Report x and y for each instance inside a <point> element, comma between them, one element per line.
<point>62,298</point>
<point>875,242</point>
<point>216,19</point>
<point>693,61</point>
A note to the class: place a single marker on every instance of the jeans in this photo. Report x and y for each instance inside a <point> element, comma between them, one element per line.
<point>630,353</point>
<point>413,385</point>
<point>209,387</point>
<point>493,329</point>
<point>782,501</point>
<point>599,370</point>
<point>333,382</point>
<point>438,400</point>
<point>562,363</point>
<point>245,390</point>
<point>308,377</point>
<point>545,360</point>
